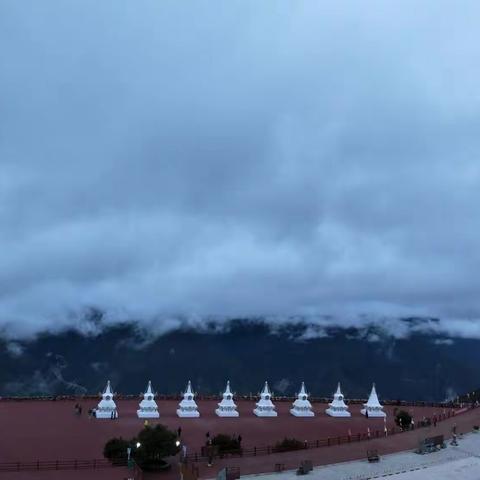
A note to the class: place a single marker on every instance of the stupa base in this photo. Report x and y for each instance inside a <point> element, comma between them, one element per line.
<point>297,413</point>
<point>378,414</point>
<point>263,413</point>
<point>141,414</point>
<point>339,414</point>
<point>231,414</point>
<point>182,414</point>
<point>105,415</point>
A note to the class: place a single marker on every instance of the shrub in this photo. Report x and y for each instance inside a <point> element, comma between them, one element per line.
<point>403,419</point>
<point>226,443</point>
<point>116,448</point>
<point>288,444</point>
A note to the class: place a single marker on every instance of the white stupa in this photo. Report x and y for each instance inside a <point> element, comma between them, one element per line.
<point>338,408</point>
<point>301,406</point>
<point>107,407</point>
<point>227,407</point>
<point>188,408</point>
<point>265,407</point>
<point>148,406</point>
<point>373,406</point>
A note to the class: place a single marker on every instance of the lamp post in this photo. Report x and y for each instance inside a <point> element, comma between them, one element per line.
<point>129,458</point>
<point>182,450</point>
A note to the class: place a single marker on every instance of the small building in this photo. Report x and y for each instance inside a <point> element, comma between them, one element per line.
<point>265,407</point>
<point>302,406</point>
<point>188,408</point>
<point>373,408</point>
<point>107,407</point>
<point>227,407</point>
<point>338,407</point>
<point>148,406</point>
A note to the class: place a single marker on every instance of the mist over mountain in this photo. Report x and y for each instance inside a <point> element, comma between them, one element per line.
<point>246,190</point>
<point>419,365</point>
<point>161,160</point>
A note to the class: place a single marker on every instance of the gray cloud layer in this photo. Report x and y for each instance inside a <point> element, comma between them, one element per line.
<point>236,158</point>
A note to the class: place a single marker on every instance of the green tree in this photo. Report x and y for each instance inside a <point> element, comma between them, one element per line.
<point>156,443</point>
<point>403,419</point>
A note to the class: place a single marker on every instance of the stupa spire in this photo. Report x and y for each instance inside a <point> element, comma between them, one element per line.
<point>227,407</point>
<point>148,406</point>
<point>266,389</point>
<point>373,408</point>
<point>107,407</point>
<point>149,388</point>
<point>265,406</point>
<point>302,406</point>
<point>338,407</point>
<point>188,408</point>
<point>373,398</point>
<point>108,389</point>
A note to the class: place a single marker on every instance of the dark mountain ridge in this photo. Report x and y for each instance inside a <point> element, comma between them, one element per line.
<point>419,366</point>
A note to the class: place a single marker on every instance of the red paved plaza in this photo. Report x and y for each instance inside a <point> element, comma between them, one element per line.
<point>46,430</point>
<point>50,430</point>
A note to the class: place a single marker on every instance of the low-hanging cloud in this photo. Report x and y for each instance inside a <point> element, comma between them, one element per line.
<point>164,159</point>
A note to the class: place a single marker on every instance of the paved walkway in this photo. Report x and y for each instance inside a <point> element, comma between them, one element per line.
<point>406,465</point>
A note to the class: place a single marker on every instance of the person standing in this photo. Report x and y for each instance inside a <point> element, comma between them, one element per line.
<point>454,436</point>
<point>210,449</point>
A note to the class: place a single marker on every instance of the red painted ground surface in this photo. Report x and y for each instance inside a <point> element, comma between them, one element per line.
<point>345,452</point>
<point>36,430</point>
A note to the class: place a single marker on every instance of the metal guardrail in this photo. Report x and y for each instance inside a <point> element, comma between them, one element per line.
<point>269,449</point>
<point>325,442</point>
<point>61,465</point>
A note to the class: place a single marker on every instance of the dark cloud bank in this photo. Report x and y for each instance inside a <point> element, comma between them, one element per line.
<point>165,159</point>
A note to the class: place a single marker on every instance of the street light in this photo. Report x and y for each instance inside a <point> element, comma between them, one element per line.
<point>177,443</point>
<point>130,461</point>
<point>139,444</point>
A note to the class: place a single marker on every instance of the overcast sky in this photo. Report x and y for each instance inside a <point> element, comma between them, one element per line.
<point>160,158</point>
